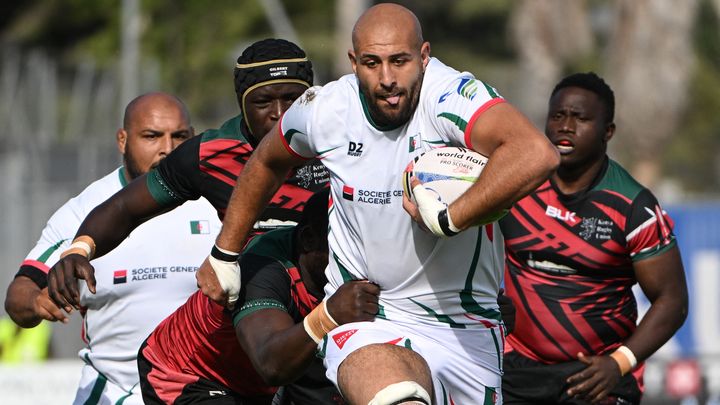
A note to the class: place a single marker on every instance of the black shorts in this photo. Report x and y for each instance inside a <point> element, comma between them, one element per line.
<point>197,391</point>
<point>526,381</point>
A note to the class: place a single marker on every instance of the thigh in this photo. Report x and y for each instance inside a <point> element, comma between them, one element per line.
<point>363,358</point>
<point>466,363</point>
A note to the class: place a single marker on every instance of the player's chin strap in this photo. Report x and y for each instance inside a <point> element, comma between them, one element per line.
<point>434,213</point>
<point>402,392</point>
<point>226,267</point>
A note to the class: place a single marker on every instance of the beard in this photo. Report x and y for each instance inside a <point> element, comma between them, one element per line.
<point>393,116</point>
<point>131,164</point>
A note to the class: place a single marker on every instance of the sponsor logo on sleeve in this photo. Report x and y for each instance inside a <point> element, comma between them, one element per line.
<point>468,88</point>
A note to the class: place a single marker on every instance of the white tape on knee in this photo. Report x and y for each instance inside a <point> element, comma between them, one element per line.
<point>402,391</point>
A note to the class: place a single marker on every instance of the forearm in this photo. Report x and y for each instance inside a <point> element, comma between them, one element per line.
<point>665,316</point>
<point>514,170</point>
<point>19,302</point>
<point>111,222</point>
<point>255,187</point>
<point>285,356</point>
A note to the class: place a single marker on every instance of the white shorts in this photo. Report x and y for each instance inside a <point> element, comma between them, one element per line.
<point>95,388</point>
<point>466,364</point>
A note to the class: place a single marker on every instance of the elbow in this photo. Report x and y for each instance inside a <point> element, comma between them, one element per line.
<point>682,313</point>
<point>551,158</point>
<point>273,375</point>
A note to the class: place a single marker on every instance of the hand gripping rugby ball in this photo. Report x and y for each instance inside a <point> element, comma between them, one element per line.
<point>447,172</point>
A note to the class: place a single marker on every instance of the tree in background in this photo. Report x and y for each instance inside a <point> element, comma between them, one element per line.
<point>661,56</point>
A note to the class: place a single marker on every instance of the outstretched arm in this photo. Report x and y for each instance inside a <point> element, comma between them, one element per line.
<point>108,225</point>
<point>266,170</point>
<point>662,279</point>
<point>281,350</point>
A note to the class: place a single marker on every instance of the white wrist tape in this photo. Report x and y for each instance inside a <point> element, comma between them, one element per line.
<point>431,211</point>
<point>82,245</point>
<point>625,358</point>
<point>227,271</point>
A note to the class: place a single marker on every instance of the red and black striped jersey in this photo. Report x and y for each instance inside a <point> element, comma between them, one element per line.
<point>274,282</point>
<point>569,264</point>
<point>208,166</point>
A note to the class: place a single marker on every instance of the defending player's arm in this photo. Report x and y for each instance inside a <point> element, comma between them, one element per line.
<point>659,271</point>
<point>28,304</point>
<point>176,180</point>
<point>263,175</point>
<point>662,279</point>
<point>281,350</point>
<point>104,229</point>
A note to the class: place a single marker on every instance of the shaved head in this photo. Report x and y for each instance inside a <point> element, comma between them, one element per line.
<point>154,100</point>
<point>154,124</point>
<point>385,22</point>
<point>389,58</point>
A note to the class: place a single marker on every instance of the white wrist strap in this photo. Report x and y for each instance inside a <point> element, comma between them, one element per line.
<point>227,271</point>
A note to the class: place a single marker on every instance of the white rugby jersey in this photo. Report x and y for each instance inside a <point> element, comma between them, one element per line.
<point>139,283</point>
<point>423,278</point>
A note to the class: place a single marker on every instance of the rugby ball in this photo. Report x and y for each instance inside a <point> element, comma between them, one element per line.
<point>447,172</point>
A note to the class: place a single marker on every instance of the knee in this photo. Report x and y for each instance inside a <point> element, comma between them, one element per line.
<point>400,393</point>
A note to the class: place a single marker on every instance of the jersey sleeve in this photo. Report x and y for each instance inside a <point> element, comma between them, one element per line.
<point>266,285</point>
<point>649,228</point>
<point>297,123</point>
<point>456,105</point>
<point>178,177</point>
<point>54,239</point>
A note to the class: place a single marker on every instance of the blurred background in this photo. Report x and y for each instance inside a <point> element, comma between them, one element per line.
<point>68,67</point>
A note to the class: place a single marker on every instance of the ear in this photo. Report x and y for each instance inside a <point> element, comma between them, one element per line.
<point>307,239</point>
<point>609,132</point>
<point>353,61</point>
<point>121,138</point>
<point>425,53</point>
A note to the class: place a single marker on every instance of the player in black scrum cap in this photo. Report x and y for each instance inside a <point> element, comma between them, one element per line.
<point>269,75</point>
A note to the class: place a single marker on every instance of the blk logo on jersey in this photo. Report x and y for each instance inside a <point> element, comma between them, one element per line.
<point>120,277</point>
<point>200,227</point>
<point>348,193</point>
<point>558,213</point>
<point>355,149</point>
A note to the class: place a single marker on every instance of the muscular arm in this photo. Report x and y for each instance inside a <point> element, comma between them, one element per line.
<point>28,304</point>
<point>520,159</point>
<point>662,279</point>
<point>112,221</point>
<point>281,350</point>
<point>263,175</point>
<point>108,225</point>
